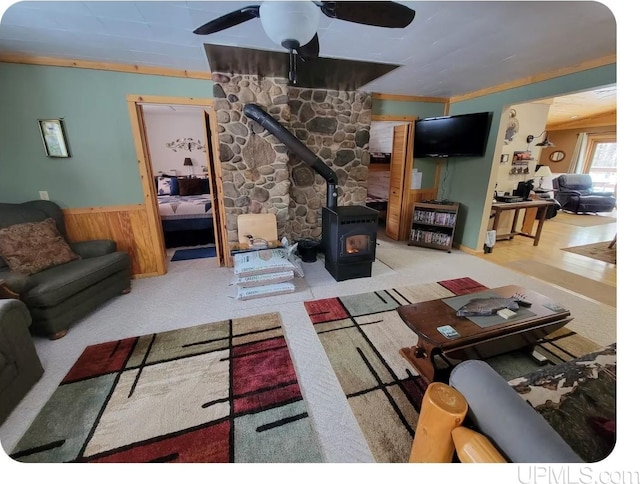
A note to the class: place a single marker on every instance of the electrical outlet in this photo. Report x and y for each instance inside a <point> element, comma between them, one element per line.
<point>44,195</point>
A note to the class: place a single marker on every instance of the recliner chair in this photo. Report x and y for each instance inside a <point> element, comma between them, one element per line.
<point>575,194</point>
<point>60,295</point>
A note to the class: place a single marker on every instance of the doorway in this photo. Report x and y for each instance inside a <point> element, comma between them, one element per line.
<point>203,168</point>
<point>178,159</point>
<point>390,187</point>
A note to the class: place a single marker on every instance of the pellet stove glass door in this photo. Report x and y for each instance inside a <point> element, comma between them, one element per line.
<point>355,245</point>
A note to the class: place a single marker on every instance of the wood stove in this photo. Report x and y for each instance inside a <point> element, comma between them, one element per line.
<point>349,241</point>
<point>349,232</point>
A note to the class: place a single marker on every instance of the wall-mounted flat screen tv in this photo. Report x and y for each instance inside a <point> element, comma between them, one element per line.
<point>444,136</point>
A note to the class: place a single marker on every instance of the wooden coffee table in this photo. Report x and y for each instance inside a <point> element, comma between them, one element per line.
<point>475,342</point>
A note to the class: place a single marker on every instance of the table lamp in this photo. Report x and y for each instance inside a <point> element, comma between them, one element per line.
<point>542,172</point>
<point>189,163</point>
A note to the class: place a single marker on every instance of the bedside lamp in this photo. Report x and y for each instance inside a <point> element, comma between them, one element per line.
<point>542,172</point>
<point>189,163</point>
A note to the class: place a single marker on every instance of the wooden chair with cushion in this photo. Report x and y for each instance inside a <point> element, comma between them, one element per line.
<point>482,418</point>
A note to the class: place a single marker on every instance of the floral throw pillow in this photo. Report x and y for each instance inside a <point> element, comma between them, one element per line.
<point>34,246</point>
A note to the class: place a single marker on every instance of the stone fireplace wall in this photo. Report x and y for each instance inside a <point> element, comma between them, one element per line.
<point>335,126</point>
<point>258,173</point>
<point>255,176</point>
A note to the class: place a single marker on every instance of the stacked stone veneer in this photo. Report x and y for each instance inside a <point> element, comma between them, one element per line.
<point>259,175</point>
<point>335,126</point>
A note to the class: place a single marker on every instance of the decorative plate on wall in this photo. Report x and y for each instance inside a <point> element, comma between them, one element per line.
<point>513,127</point>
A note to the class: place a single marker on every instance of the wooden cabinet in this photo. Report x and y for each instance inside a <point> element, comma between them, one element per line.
<point>433,224</point>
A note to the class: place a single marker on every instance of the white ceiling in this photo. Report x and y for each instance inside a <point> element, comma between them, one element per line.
<point>451,47</point>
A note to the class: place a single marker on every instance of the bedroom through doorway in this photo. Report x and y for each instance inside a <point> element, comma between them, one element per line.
<point>175,141</point>
<point>179,162</point>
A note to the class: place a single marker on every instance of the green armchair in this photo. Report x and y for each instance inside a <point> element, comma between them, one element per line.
<point>63,293</point>
<point>20,367</point>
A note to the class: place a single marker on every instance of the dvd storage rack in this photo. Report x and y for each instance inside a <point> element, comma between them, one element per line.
<point>434,224</point>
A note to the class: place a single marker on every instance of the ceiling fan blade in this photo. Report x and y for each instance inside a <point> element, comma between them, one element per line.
<point>229,20</point>
<point>310,50</point>
<point>378,14</point>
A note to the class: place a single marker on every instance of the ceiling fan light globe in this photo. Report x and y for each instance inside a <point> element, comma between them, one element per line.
<point>290,21</point>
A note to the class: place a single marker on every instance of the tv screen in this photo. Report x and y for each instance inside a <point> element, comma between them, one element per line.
<point>461,135</point>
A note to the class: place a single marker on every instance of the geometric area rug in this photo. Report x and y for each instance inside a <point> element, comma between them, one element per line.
<point>362,334</point>
<point>224,391</point>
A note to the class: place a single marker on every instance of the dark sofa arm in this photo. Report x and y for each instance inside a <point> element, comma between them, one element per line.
<point>93,248</point>
<point>14,281</point>
<point>21,364</point>
<point>14,319</point>
<point>505,418</point>
<point>574,193</point>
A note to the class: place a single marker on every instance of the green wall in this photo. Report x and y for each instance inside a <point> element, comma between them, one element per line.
<point>468,178</point>
<point>103,168</point>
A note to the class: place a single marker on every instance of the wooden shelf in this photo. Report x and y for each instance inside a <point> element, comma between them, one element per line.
<point>433,225</point>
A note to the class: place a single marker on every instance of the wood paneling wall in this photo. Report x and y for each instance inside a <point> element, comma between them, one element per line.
<point>127,225</point>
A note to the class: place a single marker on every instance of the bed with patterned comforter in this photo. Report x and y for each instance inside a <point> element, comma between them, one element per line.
<point>189,212</point>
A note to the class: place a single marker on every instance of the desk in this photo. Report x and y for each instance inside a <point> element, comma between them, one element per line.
<point>499,207</point>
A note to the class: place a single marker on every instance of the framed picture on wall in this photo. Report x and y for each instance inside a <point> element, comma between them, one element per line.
<point>53,138</point>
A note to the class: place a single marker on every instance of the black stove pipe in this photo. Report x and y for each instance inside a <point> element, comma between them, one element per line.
<point>254,112</point>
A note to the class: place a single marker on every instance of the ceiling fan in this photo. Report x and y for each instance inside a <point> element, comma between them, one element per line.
<point>294,24</point>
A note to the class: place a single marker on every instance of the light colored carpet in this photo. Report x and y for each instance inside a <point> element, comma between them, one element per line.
<point>582,220</point>
<point>198,292</point>
<point>599,251</point>
<point>581,285</point>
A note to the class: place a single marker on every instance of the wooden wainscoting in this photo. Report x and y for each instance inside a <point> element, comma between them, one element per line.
<point>127,224</point>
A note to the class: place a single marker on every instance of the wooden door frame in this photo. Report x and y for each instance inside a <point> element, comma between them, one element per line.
<point>134,105</point>
<point>407,120</point>
<point>408,195</point>
<point>221,235</point>
<point>395,203</point>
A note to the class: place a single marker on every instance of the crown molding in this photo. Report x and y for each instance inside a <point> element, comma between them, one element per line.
<point>402,97</point>
<point>103,66</point>
<point>583,66</point>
